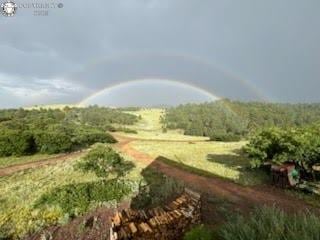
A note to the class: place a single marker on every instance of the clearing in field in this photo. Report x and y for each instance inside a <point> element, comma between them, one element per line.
<point>222,159</point>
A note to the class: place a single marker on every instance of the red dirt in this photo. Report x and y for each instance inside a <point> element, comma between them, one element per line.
<point>36,164</point>
<point>243,197</point>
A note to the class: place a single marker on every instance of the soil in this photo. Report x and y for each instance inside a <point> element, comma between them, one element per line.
<point>36,164</point>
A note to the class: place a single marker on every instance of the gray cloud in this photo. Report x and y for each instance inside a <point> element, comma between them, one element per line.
<point>83,47</point>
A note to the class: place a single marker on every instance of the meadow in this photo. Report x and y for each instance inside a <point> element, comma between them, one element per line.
<point>33,199</point>
<point>20,192</point>
<point>220,159</point>
<point>149,127</point>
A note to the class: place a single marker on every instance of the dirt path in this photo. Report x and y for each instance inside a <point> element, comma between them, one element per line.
<point>36,164</point>
<point>243,197</point>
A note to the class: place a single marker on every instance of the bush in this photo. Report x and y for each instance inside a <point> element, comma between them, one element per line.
<point>274,224</point>
<point>76,199</point>
<point>86,137</point>
<point>199,233</point>
<point>16,143</point>
<point>155,189</point>
<point>103,161</point>
<point>300,145</point>
<point>53,142</point>
<point>126,130</point>
<point>225,137</point>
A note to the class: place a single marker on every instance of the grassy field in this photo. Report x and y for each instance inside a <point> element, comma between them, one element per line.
<point>20,191</point>
<point>216,158</point>
<point>8,161</point>
<point>149,127</point>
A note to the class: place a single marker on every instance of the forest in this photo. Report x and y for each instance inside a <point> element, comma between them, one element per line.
<point>227,120</point>
<point>25,132</point>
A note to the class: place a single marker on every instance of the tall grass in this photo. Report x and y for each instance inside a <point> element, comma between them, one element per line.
<point>272,224</point>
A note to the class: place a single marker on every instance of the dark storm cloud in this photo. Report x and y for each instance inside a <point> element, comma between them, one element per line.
<point>86,46</point>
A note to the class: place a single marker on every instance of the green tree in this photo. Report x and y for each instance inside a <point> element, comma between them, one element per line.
<point>104,161</point>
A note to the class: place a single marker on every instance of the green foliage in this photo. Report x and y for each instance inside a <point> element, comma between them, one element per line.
<point>52,142</point>
<point>270,224</point>
<point>24,132</point>
<point>155,189</point>
<point>213,120</point>
<point>76,199</point>
<point>227,120</point>
<point>15,142</point>
<point>126,130</point>
<point>299,145</point>
<point>103,161</point>
<point>199,233</point>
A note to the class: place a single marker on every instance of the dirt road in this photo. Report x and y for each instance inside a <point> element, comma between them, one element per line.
<point>36,164</point>
<point>243,197</point>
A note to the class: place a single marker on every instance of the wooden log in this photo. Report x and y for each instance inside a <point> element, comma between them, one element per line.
<point>133,228</point>
<point>117,219</point>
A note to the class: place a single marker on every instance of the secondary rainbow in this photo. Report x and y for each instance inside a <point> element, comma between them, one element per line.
<point>208,94</point>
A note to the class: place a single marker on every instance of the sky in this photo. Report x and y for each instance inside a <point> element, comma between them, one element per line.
<point>243,50</point>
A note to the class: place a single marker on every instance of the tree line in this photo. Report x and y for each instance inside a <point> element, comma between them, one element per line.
<point>227,120</point>
<point>24,132</point>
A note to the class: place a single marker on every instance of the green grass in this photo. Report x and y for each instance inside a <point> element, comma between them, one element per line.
<point>150,127</point>
<point>217,158</point>
<point>9,161</point>
<point>20,192</point>
<point>272,224</point>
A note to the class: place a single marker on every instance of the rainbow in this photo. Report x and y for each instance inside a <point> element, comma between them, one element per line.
<point>179,57</point>
<point>207,94</point>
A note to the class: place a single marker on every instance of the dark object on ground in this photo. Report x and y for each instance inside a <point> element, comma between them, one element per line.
<point>284,175</point>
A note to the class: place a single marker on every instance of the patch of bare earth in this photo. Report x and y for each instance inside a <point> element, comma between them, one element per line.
<point>40,163</point>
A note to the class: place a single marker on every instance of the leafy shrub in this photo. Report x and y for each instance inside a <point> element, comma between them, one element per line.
<point>272,223</point>
<point>126,130</point>
<point>103,161</point>
<point>53,142</point>
<point>18,143</point>
<point>199,233</point>
<point>300,145</point>
<point>155,189</point>
<point>85,137</point>
<point>225,137</point>
<point>75,199</point>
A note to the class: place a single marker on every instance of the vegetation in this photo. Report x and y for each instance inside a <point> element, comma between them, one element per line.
<point>20,191</point>
<point>12,160</point>
<point>272,223</point>
<point>25,132</point>
<point>199,233</point>
<point>227,120</point>
<point>33,199</point>
<point>299,145</point>
<point>155,189</point>
<point>206,158</point>
<point>104,161</point>
<point>76,199</point>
